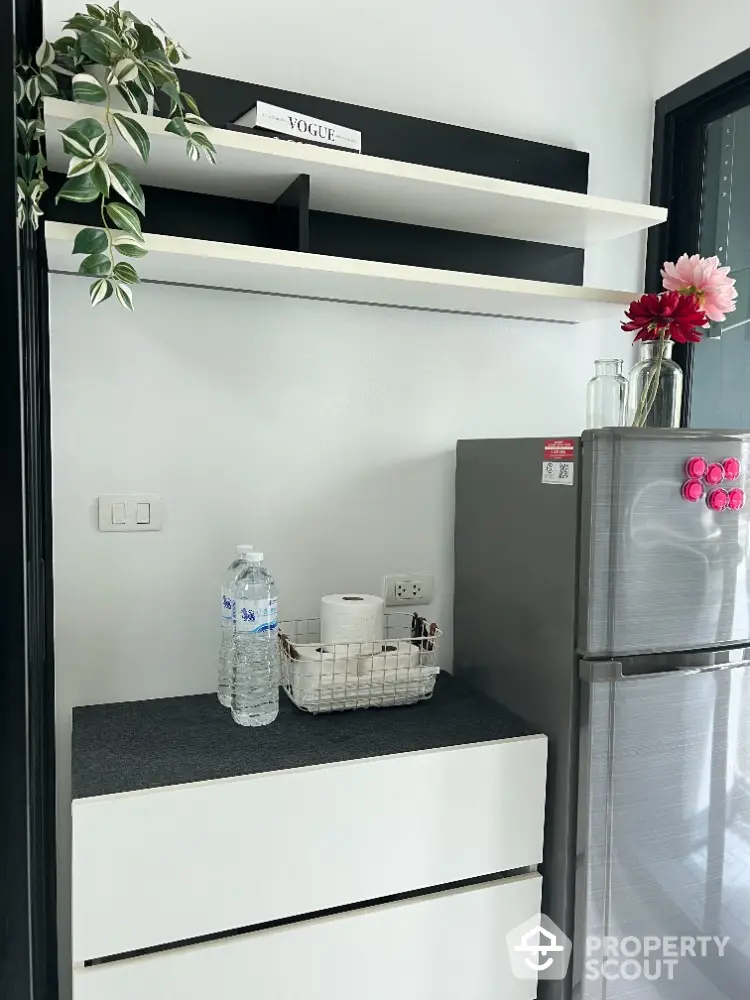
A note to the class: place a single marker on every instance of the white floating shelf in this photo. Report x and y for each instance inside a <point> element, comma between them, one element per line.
<point>259,169</point>
<point>200,263</point>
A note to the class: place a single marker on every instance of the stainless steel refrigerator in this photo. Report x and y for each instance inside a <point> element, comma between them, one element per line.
<point>602,592</point>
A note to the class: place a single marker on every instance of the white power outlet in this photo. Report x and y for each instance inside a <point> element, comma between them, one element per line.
<point>409,588</point>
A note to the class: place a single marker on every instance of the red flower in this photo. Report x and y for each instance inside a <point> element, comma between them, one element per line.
<point>675,315</point>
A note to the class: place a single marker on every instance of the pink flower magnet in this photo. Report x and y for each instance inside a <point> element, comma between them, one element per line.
<point>717,499</point>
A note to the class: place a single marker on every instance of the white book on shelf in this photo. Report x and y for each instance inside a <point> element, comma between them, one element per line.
<point>270,118</point>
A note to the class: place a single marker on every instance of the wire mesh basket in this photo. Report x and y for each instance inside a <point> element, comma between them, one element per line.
<point>399,670</point>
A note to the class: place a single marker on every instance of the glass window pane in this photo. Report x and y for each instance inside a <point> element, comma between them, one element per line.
<point>721,363</point>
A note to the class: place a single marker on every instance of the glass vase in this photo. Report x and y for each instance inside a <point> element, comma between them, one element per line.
<point>655,394</point>
<point>606,395</point>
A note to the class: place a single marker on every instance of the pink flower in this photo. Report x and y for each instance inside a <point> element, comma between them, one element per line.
<point>707,280</point>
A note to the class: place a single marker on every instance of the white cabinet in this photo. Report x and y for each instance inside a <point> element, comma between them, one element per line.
<point>171,864</point>
<point>354,857</point>
<point>439,947</point>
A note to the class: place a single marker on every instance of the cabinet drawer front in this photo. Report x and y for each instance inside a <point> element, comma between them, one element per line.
<point>431,948</point>
<point>177,863</point>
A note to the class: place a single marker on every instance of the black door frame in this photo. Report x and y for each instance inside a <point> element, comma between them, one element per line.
<point>28,917</point>
<point>677,171</point>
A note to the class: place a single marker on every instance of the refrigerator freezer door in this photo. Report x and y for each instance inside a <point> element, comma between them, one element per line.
<point>659,572</point>
<point>664,830</point>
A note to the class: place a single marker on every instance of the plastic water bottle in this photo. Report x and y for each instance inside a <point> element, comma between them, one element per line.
<point>226,622</point>
<point>255,688</point>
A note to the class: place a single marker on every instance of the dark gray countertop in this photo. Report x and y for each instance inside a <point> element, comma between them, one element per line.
<point>132,745</point>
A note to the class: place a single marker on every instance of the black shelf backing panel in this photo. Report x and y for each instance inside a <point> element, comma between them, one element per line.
<point>229,220</point>
<point>290,225</point>
<point>401,137</point>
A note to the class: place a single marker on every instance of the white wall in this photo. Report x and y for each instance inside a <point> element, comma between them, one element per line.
<point>690,37</point>
<point>324,433</point>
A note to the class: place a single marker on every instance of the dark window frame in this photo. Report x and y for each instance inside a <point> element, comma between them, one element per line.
<point>677,171</point>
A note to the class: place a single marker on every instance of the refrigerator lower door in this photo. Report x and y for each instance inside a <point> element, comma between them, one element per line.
<point>663,859</point>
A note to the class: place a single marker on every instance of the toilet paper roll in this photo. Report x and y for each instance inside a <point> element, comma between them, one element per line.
<point>317,660</point>
<point>351,618</point>
<point>395,660</point>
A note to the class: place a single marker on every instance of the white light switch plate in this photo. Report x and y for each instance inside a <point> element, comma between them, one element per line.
<point>130,512</point>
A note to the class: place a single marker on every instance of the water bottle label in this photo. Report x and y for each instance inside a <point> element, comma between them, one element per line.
<point>228,609</point>
<point>257,616</point>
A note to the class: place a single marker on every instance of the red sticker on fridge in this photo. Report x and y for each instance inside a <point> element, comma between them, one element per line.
<point>557,467</point>
<point>560,450</point>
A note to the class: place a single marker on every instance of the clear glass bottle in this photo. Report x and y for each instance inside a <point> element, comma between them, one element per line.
<point>667,400</point>
<point>606,395</point>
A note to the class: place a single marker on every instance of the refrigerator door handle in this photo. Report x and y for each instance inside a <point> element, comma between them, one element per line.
<point>634,668</point>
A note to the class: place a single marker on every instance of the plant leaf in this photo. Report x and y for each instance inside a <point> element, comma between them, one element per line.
<point>101,177</point>
<point>100,291</point>
<point>126,272</point>
<point>80,165</point>
<point>65,45</point>
<point>191,103</point>
<point>79,22</point>
<point>195,119</point>
<point>206,145</point>
<point>125,71</point>
<point>125,92</point>
<point>92,241</point>
<point>134,134</point>
<point>108,36</point>
<point>171,89</point>
<point>91,128</point>
<point>193,151</point>
<point>99,145</point>
<point>19,89</point>
<point>125,218</point>
<point>33,89</point>
<point>95,265</point>
<point>45,54</point>
<point>80,189</point>
<point>145,81</point>
<point>147,40</point>
<point>135,97</point>
<point>76,145</point>
<point>36,190</point>
<point>87,89</point>
<point>24,166</point>
<point>47,83</point>
<point>129,249</point>
<point>93,48</point>
<point>178,127</point>
<point>124,296</point>
<point>96,11</point>
<point>124,182</point>
<point>157,72</point>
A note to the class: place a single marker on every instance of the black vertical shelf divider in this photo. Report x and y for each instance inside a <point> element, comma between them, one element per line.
<point>28,928</point>
<point>294,214</point>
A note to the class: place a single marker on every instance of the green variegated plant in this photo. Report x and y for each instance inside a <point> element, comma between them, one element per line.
<point>106,51</point>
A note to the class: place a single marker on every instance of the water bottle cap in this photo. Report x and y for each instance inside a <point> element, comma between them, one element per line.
<point>242,550</point>
<point>254,557</point>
